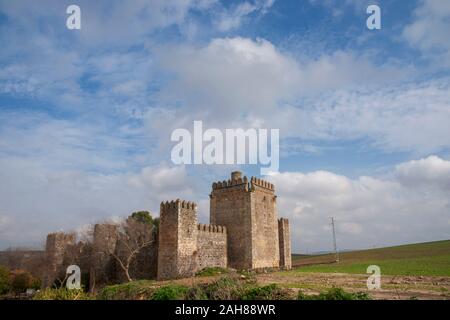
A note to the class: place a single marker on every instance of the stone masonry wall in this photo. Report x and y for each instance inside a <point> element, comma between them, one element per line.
<point>244,233</point>
<point>56,248</point>
<point>230,206</point>
<point>168,241</point>
<point>187,239</point>
<point>248,210</point>
<point>212,246</point>
<point>285,243</point>
<point>102,263</point>
<point>265,248</point>
<point>177,249</point>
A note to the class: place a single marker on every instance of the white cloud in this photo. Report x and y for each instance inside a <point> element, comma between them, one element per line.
<point>242,80</point>
<point>429,31</point>
<point>431,171</point>
<point>410,117</point>
<point>369,211</point>
<point>61,174</point>
<point>233,18</point>
<point>36,200</point>
<point>4,221</point>
<point>341,96</point>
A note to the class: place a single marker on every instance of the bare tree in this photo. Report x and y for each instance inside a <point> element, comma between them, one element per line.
<point>133,236</point>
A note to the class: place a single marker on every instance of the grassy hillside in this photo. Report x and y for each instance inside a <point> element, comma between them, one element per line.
<point>427,259</point>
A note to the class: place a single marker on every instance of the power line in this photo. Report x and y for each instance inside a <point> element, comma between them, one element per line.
<point>336,252</point>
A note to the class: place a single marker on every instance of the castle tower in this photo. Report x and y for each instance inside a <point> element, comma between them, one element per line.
<point>248,210</point>
<point>102,262</point>
<point>55,249</point>
<point>177,251</point>
<point>284,234</point>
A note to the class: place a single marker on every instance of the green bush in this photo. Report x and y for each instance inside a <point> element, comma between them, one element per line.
<point>212,271</point>
<point>143,217</point>
<point>270,292</point>
<point>23,281</point>
<point>5,280</point>
<point>61,294</point>
<point>142,289</point>
<point>225,288</point>
<point>170,292</point>
<point>196,293</point>
<point>335,294</point>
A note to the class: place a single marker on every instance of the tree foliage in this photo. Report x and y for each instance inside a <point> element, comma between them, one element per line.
<point>143,217</point>
<point>5,280</point>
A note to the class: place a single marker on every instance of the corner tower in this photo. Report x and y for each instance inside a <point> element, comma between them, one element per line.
<point>248,210</point>
<point>177,251</point>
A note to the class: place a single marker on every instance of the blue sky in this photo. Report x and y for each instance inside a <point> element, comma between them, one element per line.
<point>86,115</point>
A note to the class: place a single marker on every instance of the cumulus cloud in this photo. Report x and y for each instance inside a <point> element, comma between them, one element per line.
<point>369,211</point>
<point>117,89</point>
<point>432,171</point>
<point>35,200</point>
<point>251,83</point>
<point>61,174</point>
<point>242,81</point>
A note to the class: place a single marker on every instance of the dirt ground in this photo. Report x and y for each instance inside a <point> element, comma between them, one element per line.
<point>392,287</point>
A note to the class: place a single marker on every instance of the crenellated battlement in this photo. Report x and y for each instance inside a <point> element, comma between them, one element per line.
<point>237,180</point>
<point>262,183</point>
<point>230,183</point>
<point>211,228</point>
<point>174,204</point>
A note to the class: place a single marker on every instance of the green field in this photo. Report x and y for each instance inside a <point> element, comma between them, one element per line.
<point>422,259</point>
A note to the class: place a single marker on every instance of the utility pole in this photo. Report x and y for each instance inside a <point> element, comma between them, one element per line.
<point>334,240</point>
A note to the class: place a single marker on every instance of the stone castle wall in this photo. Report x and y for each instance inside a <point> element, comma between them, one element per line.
<point>284,233</point>
<point>102,269</point>
<point>244,233</point>
<point>168,240</point>
<point>57,246</point>
<point>248,210</point>
<point>264,225</point>
<point>230,206</point>
<point>186,247</point>
<point>211,246</point>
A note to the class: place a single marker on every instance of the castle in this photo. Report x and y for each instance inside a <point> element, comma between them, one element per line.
<point>244,233</point>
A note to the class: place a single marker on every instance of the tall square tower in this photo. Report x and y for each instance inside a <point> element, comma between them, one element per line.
<point>248,210</point>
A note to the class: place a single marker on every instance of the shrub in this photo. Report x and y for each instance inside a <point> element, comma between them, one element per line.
<point>212,271</point>
<point>170,292</point>
<point>141,289</point>
<point>61,294</point>
<point>5,280</point>
<point>225,288</point>
<point>23,280</point>
<point>270,292</point>
<point>335,294</point>
<point>196,293</point>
